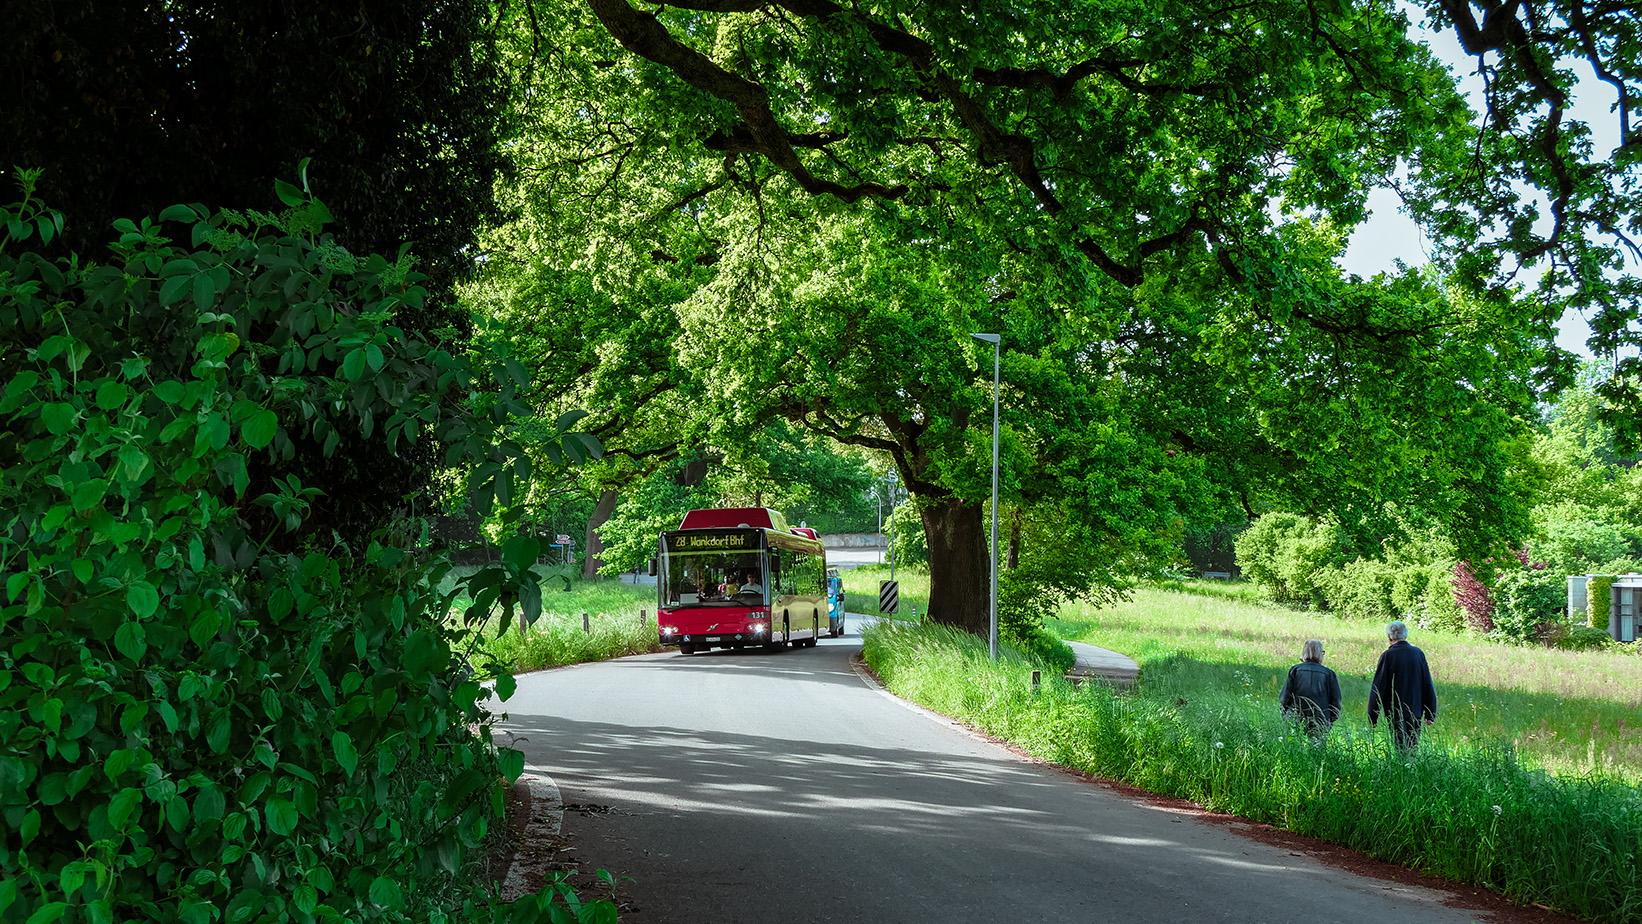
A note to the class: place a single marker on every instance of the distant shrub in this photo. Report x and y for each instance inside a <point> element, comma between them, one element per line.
<point>1284,553</point>
<point>1471,594</point>
<point>1440,608</point>
<point>1362,588</point>
<point>1525,600</point>
<point>1582,638</point>
<point>1575,538</point>
<point>1045,646</point>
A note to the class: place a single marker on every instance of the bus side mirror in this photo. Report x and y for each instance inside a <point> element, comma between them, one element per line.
<point>653,569</point>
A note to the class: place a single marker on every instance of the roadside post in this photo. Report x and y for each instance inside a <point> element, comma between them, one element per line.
<point>889,597</point>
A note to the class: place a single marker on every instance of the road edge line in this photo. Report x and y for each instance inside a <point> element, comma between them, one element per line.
<point>540,831</point>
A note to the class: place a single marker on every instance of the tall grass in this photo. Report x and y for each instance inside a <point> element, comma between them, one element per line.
<point>1472,814</point>
<point>1571,713</point>
<point>614,628</point>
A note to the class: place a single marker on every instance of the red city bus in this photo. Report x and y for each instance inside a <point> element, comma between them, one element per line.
<point>739,576</point>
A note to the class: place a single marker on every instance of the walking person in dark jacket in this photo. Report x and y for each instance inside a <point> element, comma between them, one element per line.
<point>1402,688</point>
<point>1311,693</point>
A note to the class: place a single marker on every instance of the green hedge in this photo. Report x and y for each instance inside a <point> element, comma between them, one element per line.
<point>1599,600</point>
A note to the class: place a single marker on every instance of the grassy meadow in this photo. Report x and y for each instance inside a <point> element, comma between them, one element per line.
<point>1217,646</point>
<point>557,638</point>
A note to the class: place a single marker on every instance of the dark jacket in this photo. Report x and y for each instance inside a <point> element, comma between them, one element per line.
<point>1311,692</point>
<point>1402,686</point>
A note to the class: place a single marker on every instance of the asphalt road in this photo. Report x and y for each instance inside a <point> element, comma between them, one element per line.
<point>754,787</point>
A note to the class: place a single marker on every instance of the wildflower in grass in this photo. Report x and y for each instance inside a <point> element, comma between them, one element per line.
<point>1498,810</point>
<point>1219,744</point>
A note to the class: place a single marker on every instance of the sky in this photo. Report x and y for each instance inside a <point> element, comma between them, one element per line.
<point>1390,234</point>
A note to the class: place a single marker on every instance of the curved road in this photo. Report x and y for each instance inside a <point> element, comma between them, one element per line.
<point>754,787</point>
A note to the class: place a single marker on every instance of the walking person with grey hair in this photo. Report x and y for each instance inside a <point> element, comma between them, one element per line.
<point>1311,692</point>
<point>1402,689</point>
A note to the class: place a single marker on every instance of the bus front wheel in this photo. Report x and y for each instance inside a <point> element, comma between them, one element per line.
<point>776,644</point>
<point>686,648</point>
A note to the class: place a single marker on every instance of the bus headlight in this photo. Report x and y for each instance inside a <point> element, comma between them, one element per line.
<point>668,630</point>
<point>758,628</point>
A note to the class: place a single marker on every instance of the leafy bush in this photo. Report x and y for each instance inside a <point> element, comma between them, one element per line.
<point>1044,646</point>
<point>205,712</point>
<point>1525,599</point>
<point>1285,552</point>
<point>1584,638</point>
<point>1363,588</point>
<point>1439,608</point>
<point>1473,596</point>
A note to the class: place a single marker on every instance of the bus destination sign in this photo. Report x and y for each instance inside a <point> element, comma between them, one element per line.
<point>705,542</point>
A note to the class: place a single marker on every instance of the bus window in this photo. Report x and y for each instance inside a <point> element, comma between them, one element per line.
<point>709,577</point>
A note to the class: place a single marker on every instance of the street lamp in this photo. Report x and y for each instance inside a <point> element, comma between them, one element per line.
<point>997,346</point>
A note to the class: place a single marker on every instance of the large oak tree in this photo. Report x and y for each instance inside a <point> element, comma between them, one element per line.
<point>1143,198</point>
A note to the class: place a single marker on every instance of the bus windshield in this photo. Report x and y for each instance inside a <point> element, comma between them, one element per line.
<point>724,568</point>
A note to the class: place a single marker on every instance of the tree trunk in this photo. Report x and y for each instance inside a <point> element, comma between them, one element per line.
<point>958,568</point>
<point>694,472</point>
<point>601,512</point>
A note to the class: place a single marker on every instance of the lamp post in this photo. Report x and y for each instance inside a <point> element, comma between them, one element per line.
<point>997,346</point>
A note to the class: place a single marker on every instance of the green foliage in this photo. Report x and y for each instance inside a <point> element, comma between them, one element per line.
<point>1363,587</point>
<point>799,474</point>
<point>208,712</point>
<point>803,475</point>
<point>1157,371</point>
<point>1476,815</point>
<point>1574,538</point>
<point>904,531</point>
<point>1526,598</point>
<point>1599,600</point>
<point>1039,644</point>
<point>1412,579</point>
<point>657,504</point>
<point>1285,553</point>
<point>557,638</point>
<point>1587,638</point>
<point>1439,609</point>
